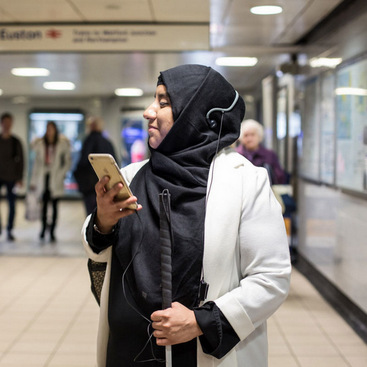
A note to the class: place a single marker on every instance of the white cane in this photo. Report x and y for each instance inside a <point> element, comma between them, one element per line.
<point>166,257</point>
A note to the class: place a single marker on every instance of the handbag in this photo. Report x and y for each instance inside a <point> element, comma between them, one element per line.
<point>32,207</point>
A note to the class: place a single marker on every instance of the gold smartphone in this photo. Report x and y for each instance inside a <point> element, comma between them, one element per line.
<point>105,165</point>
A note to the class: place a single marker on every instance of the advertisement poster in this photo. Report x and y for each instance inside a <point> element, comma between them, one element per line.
<point>133,138</point>
<point>282,126</point>
<point>327,120</point>
<point>309,157</point>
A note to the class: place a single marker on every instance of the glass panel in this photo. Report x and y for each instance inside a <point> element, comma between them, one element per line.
<point>70,124</point>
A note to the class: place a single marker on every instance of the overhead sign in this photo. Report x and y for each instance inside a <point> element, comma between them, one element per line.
<point>149,37</point>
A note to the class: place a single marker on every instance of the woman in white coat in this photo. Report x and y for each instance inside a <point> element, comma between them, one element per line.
<point>51,163</point>
<point>227,232</point>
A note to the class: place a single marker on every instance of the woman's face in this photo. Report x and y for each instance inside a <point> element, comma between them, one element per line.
<point>159,116</point>
<point>250,139</point>
<point>50,133</point>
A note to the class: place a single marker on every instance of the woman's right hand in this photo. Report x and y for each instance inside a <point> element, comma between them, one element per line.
<point>110,211</point>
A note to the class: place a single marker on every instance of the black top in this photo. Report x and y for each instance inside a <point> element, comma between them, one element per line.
<point>84,174</point>
<point>11,159</point>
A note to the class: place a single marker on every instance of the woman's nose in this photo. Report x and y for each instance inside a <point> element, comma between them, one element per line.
<point>150,113</point>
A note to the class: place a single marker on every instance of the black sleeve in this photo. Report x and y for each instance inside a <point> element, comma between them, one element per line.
<point>218,335</point>
<point>18,159</point>
<point>98,241</point>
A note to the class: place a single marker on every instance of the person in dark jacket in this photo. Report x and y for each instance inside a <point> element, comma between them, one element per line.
<point>84,174</point>
<point>11,166</point>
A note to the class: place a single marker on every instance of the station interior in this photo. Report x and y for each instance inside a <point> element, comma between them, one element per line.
<point>305,81</point>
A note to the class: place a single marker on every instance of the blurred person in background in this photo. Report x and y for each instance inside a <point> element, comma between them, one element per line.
<point>251,136</point>
<point>11,167</point>
<point>51,163</point>
<point>84,174</point>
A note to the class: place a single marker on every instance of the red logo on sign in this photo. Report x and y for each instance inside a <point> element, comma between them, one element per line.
<point>53,33</point>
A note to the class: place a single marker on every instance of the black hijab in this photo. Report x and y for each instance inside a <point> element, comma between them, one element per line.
<point>180,164</point>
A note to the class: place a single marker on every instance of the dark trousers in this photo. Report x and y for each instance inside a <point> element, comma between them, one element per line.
<point>46,199</point>
<point>11,197</point>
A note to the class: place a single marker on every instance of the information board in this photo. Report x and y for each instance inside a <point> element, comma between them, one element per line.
<point>351,126</point>
<point>109,37</point>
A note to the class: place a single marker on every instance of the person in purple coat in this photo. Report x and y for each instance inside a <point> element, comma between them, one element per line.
<point>250,147</point>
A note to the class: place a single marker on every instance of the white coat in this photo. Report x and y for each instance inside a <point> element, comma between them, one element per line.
<point>246,258</point>
<point>58,170</point>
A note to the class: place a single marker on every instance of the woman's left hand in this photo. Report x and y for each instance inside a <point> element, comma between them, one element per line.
<point>175,325</point>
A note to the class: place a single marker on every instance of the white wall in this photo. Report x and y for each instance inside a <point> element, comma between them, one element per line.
<point>332,236</point>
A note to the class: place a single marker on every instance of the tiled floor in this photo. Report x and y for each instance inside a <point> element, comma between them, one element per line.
<point>48,317</point>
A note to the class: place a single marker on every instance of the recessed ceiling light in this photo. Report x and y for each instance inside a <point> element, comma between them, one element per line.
<point>329,62</point>
<point>59,85</point>
<point>30,71</point>
<point>349,91</point>
<point>266,10</point>
<point>236,61</point>
<point>129,92</point>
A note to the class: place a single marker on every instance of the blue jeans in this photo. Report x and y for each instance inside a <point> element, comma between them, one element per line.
<point>10,195</point>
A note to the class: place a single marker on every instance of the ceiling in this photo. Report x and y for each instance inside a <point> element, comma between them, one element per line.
<point>234,31</point>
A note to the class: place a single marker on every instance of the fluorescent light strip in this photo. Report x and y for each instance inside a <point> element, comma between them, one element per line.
<point>350,91</point>
<point>30,72</point>
<point>325,62</point>
<point>236,61</point>
<point>129,92</point>
<point>59,85</point>
<point>266,10</point>
<point>42,116</point>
